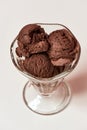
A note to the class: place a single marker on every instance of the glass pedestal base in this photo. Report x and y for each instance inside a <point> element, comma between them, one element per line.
<point>47,105</point>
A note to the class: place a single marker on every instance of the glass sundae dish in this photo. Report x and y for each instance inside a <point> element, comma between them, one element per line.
<point>45,53</point>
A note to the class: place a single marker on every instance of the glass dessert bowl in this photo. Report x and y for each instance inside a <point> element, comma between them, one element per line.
<point>48,95</point>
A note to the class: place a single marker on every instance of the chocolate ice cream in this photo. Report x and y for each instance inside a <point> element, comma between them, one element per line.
<point>41,46</point>
<point>31,39</point>
<point>31,33</point>
<point>39,65</point>
<point>62,47</point>
<point>45,55</point>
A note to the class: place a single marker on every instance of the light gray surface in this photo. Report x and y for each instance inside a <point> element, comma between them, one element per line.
<point>14,115</point>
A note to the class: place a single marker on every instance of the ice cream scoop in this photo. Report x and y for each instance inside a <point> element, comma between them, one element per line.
<point>39,65</point>
<point>31,39</point>
<point>62,49</point>
<point>28,33</point>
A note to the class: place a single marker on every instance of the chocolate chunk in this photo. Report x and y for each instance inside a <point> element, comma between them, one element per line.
<point>19,52</point>
<point>41,46</point>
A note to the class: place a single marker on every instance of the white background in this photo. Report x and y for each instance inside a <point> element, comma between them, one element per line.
<point>14,115</point>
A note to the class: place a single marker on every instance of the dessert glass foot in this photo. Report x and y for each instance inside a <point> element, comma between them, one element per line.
<point>46,96</point>
<point>46,103</point>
